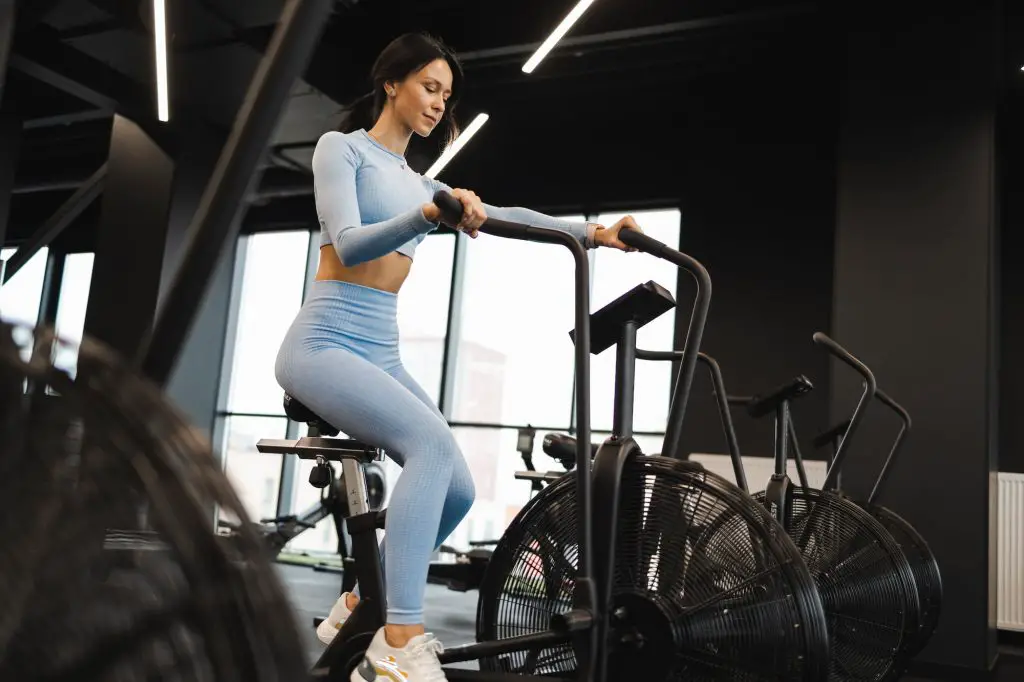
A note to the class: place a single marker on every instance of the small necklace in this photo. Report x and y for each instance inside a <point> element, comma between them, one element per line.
<point>385,147</point>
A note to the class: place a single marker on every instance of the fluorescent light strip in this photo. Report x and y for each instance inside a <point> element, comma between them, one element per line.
<point>556,35</point>
<point>160,38</point>
<point>458,144</point>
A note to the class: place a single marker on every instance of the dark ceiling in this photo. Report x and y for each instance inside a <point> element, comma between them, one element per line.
<point>74,62</point>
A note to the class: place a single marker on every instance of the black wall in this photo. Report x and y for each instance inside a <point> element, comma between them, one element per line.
<point>1011,374</point>
<point>916,287</point>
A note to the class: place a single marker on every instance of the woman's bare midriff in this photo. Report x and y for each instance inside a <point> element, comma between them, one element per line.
<point>386,273</point>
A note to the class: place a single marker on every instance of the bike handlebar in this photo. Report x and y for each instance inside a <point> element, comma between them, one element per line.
<point>870,391</point>
<point>451,212</point>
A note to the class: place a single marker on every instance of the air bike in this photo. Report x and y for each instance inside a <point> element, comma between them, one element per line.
<point>605,575</point>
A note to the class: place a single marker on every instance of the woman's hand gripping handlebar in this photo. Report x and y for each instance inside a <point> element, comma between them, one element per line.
<point>460,209</point>
<point>463,210</point>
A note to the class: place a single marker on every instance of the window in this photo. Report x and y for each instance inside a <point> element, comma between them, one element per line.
<point>270,294</point>
<point>71,308</point>
<point>276,267</point>
<point>270,297</point>
<point>255,476</point>
<point>20,297</point>
<point>510,363</point>
<point>423,312</point>
<point>422,322</point>
<point>493,461</point>
<point>514,358</point>
<point>615,273</point>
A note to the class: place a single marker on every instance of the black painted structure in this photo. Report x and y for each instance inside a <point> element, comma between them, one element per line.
<point>916,286</point>
<point>8,17</point>
<point>10,141</point>
<point>131,240</point>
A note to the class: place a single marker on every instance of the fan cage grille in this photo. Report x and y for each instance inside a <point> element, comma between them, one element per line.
<point>864,580</point>
<point>925,568</point>
<point>112,569</point>
<point>726,582</point>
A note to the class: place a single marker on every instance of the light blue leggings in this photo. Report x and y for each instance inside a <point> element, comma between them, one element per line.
<point>340,358</point>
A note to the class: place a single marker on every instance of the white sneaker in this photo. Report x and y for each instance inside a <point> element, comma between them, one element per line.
<point>416,662</point>
<point>329,626</point>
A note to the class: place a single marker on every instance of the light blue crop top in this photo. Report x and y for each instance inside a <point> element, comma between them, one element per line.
<point>369,201</point>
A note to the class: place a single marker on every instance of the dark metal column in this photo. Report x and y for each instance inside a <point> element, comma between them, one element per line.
<point>10,144</point>
<point>453,332</point>
<point>214,225</point>
<point>131,238</point>
<point>8,16</point>
<point>49,301</point>
<point>625,374</point>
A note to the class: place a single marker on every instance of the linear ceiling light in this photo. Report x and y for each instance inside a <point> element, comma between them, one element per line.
<point>458,144</point>
<point>557,35</point>
<point>160,39</point>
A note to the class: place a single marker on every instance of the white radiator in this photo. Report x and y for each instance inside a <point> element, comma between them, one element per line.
<point>1011,552</point>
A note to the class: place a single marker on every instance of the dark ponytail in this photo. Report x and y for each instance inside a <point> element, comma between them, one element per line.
<point>404,56</point>
<point>361,113</point>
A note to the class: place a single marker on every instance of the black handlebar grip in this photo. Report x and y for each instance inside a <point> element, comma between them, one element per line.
<point>559,445</point>
<point>451,208</point>
<point>895,406</point>
<point>640,241</point>
<point>847,357</point>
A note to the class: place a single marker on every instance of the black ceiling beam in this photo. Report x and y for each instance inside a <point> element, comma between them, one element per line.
<point>274,182</point>
<point>282,214</point>
<point>61,218</point>
<point>47,59</point>
<point>31,12</point>
<point>69,118</point>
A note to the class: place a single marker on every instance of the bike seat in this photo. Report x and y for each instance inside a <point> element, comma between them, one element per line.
<point>298,412</point>
<point>562,447</point>
<point>766,404</point>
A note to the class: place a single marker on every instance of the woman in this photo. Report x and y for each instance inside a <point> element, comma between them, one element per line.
<point>340,357</point>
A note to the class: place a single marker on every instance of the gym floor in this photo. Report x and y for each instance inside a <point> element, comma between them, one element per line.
<point>451,616</point>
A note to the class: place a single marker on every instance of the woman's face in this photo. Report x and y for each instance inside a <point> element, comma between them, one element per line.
<point>421,98</point>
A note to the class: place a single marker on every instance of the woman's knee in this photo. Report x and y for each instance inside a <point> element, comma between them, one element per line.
<point>462,492</point>
<point>438,442</point>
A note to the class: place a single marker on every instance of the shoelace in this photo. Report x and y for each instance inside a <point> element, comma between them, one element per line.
<point>424,654</point>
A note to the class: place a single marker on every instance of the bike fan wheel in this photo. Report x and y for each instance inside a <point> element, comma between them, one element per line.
<point>706,585</point>
<point>925,567</point>
<point>864,580</point>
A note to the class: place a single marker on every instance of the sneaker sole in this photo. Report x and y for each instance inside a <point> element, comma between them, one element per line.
<point>326,632</point>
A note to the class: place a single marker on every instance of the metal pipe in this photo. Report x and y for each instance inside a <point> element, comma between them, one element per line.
<point>781,437</point>
<point>694,334</point>
<point>797,455</point>
<point>870,390</point>
<point>56,223</point>
<point>726,416</point>
<point>625,376</point>
<point>905,417</point>
<point>723,400</point>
